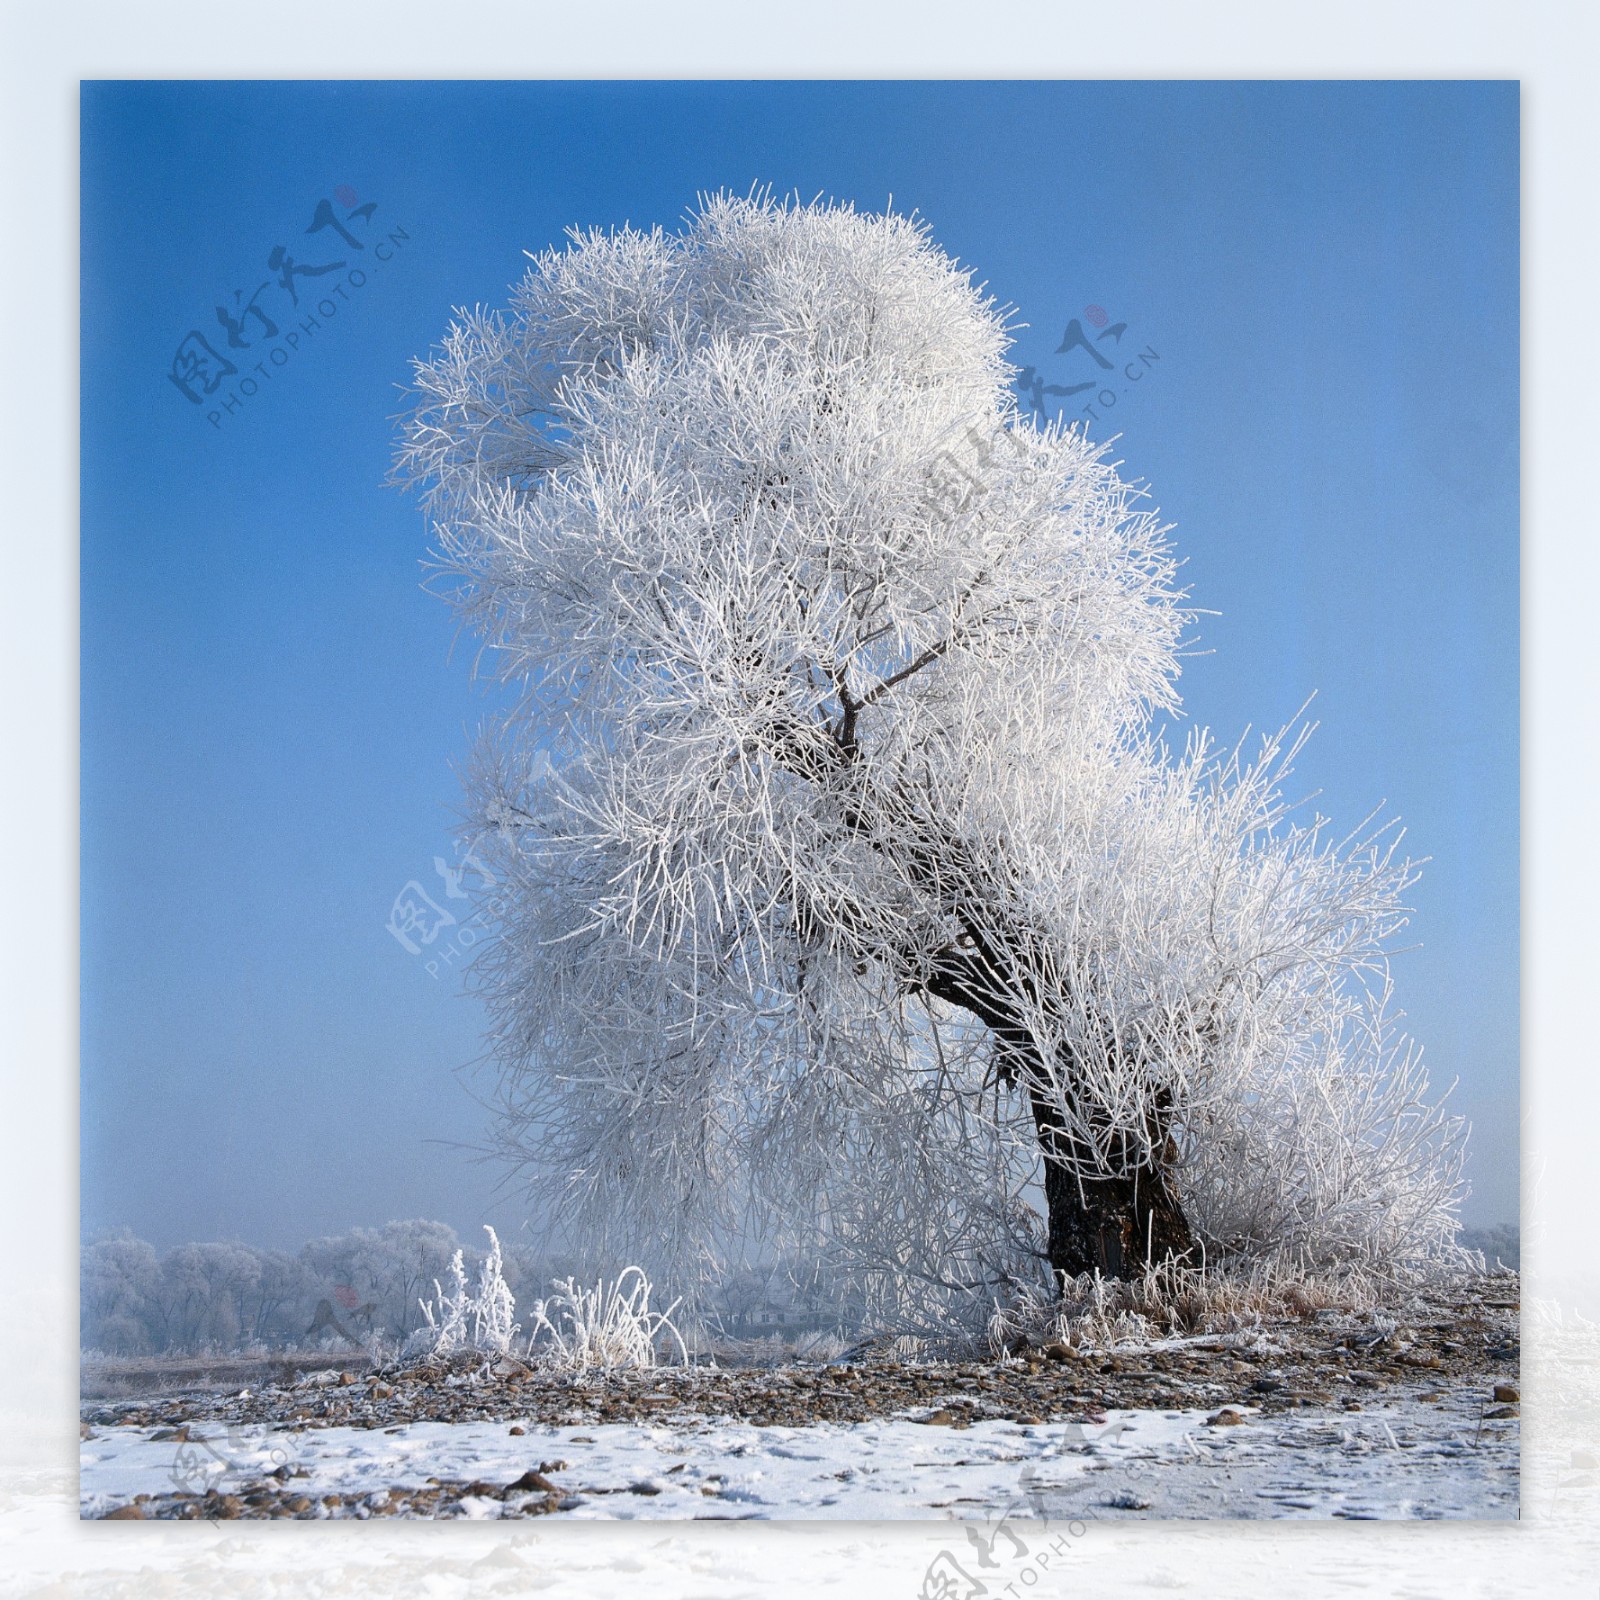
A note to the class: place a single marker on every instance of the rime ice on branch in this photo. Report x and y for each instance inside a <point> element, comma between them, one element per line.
<point>841,874</point>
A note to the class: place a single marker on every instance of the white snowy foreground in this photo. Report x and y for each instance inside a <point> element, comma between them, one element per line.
<point>1403,1459</point>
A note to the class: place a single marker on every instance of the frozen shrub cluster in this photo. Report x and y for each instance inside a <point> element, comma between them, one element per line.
<point>608,1327</point>
<point>465,1319</point>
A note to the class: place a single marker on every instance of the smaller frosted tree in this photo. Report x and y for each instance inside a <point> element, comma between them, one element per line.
<point>840,871</point>
<point>119,1286</point>
<point>390,1266</point>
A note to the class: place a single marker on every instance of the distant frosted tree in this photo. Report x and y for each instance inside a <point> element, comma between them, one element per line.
<point>204,1291</point>
<point>840,873</point>
<point>390,1267</point>
<point>279,1287</point>
<point>119,1278</point>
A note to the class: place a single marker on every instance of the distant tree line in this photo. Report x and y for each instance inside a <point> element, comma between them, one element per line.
<point>231,1296</point>
<point>369,1282</point>
<point>1502,1243</point>
<point>228,1295</point>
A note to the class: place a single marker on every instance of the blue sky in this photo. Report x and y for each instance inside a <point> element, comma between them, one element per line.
<point>272,705</point>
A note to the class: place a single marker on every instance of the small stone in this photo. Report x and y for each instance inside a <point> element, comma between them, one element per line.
<point>532,1480</point>
<point>940,1419</point>
<point>1227,1417</point>
<point>1507,1393</point>
<point>1500,1413</point>
<point>346,1379</point>
<point>128,1513</point>
<point>1059,1350</point>
<point>517,1430</point>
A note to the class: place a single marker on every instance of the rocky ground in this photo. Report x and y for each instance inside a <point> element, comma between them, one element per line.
<point>1460,1356</point>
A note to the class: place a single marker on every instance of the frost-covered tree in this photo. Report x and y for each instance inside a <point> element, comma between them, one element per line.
<point>119,1284</point>
<point>840,870</point>
<point>204,1293</point>
<point>391,1267</point>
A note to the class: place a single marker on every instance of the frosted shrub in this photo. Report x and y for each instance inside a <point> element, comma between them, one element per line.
<point>607,1327</point>
<point>463,1320</point>
<point>494,1305</point>
<point>823,1345</point>
<point>447,1316</point>
<point>1097,1313</point>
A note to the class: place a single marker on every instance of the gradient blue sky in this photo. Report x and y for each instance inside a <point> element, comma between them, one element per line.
<point>271,706</point>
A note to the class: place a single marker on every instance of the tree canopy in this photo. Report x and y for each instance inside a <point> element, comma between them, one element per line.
<point>844,880</point>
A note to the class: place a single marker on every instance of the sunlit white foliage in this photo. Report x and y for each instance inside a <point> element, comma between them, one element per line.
<point>835,689</point>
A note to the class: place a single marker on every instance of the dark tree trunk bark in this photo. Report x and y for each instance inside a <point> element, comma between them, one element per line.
<point>1117,1225</point>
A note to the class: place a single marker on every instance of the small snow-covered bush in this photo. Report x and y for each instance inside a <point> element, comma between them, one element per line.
<point>447,1317</point>
<point>494,1306</point>
<point>608,1326</point>
<point>820,1346</point>
<point>1097,1313</point>
<point>463,1320</point>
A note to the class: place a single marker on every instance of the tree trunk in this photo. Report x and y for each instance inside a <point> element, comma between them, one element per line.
<point>1117,1226</point>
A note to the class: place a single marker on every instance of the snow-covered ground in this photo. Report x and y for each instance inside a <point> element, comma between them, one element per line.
<point>1402,1459</point>
<point>46,1551</point>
